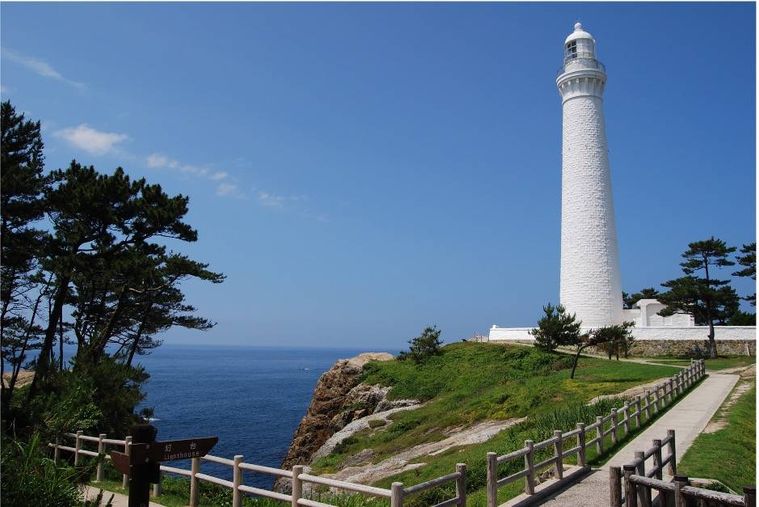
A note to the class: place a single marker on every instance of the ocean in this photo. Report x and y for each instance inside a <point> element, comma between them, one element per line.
<point>251,398</point>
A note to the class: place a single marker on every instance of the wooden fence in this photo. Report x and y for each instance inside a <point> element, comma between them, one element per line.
<point>617,424</point>
<point>632,485</point>
<point>395,495</point>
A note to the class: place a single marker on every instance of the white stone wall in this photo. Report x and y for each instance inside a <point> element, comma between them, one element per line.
<point>590,277</point>
<point>644,333</point>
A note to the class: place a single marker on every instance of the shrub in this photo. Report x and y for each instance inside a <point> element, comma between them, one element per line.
<point>423,346</point>
<point>556,328</point>
<point>30,478</point>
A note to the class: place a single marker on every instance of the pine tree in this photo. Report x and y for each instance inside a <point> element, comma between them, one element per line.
<point>748,261</point>
<point>556,328</point>
<point>709,300</point>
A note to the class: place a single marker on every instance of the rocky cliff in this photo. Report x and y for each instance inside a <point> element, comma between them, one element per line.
<point>339,399</point>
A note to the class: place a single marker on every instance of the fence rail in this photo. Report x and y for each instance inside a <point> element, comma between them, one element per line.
<point>617,424</point>
<point>633,486</point>
<point>396,494</point>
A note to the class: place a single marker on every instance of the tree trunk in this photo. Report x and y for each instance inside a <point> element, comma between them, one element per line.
<point>43,361</point>
<point>709,316</point>
<point>577,358</point>
<point>141,330</point>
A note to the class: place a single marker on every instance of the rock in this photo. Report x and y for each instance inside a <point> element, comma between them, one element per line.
<point>361,458</point>
<point>338,399</point>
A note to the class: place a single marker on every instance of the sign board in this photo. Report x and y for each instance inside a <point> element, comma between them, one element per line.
<point>154,452</point>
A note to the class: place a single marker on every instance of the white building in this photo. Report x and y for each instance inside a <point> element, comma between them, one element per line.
<point>590,285</point>
<point>590,282</point>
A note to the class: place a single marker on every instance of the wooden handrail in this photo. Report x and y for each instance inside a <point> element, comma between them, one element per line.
<point>620,423</point>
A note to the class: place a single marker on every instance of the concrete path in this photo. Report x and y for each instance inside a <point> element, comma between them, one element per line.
<point>119,500</point>
<point>688,418</point>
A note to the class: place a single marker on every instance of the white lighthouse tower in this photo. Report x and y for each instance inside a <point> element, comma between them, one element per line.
<point>590,279</point>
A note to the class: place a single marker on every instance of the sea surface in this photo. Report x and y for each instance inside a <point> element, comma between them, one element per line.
<point>251,398</point>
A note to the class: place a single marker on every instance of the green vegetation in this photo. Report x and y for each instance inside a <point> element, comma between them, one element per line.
<point>86,261</point>
<point>175,492</point>
<point>728,454</point>
<point>423,346</point>
<point>472,382</point>
<point>721,363</point>
<point>31,478</point>
<point>556,328</point>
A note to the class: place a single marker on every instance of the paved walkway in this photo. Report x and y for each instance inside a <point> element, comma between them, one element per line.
<point>119,500</point>
<point>688,418</point>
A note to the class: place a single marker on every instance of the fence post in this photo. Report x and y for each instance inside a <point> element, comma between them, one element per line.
<point>657,458</point>
<point>461,484</point>
<point>492,486</point>
<point>529,480</point>
<point>637,411</point>
<point>648,404</point>
<point>57,450</point>
<point>613,426</point>
<point>127,451</point>
<point>630,489</point>
<point>626,415</point>
<point>558,451</point>
<point>656,399</point>
<point>396,494</point>
<point>680,481</point>
<point>615,485</point>
<point>77,447</point>
<point>671,390</point>
<point>749,496</point>
<point>599,435</point>
<point>297,487</point>
<point>101,458</point>
<point>644,494</point>
<point>672,453</point>
<point>236,481</point>
<point>581,445</point>
<point>194,471</point>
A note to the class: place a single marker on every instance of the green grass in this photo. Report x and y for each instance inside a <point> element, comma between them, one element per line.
<point>721,363</point>
<point>472,382</point>
<point>468,383</point>
<point>729,454</point>
<point>176,493</point>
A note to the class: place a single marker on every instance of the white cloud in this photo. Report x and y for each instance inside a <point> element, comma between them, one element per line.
<point>90,140</point>
<point>270,200</point>
<point>225,184</point>
<point>160,161</point>
<point>227,189</point>
<point>39,67</point>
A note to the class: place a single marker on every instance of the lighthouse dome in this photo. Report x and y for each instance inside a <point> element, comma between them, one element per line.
<point>579,44</point>
<point>579,33</point>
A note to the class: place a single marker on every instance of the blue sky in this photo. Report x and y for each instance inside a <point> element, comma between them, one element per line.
<point>360,171</point>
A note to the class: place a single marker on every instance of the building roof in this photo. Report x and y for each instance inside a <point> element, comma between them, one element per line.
<point>579,33</point>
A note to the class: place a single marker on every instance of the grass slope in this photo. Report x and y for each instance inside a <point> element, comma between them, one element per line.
<point>720,363</point>
<point>729,454</point>
<point>471,382</point>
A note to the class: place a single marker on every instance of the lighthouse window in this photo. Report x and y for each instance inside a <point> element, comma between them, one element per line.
<point>572,49</point>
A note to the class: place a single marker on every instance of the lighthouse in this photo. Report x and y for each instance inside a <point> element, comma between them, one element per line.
<point>590,284</point>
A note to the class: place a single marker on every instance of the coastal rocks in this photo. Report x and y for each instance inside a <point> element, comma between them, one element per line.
<point>413,457</point>
<point>338,399</point>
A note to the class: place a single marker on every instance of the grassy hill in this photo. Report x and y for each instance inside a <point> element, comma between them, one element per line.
<point>472,382</point>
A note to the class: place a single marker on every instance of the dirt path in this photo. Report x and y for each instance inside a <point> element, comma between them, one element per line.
<point>369,473</point>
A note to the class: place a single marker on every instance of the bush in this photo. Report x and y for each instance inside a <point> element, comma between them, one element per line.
<point>614,340</point>
<point>423,346</point>
<point>30,478</point>
<point>556,328</point>
<point>94,398</point>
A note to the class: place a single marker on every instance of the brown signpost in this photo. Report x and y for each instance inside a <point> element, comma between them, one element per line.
<point>143,462</point>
